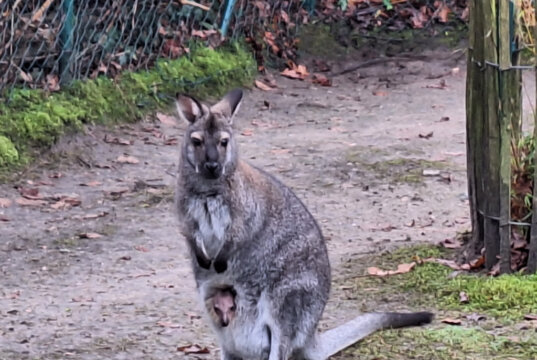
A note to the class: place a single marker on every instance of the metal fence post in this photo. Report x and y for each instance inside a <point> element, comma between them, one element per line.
<point>227,17</point>
<point>66,37</point>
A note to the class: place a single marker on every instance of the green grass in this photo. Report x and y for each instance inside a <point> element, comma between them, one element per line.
<point>35,119</point>
<point>507,297</point>
<point>503,300</point>
<point>445,343</point>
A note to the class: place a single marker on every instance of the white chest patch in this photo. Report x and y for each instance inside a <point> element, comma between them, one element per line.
<point>213,218</point>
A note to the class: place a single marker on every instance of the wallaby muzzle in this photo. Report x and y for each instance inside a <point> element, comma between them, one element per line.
<point>212,170</point>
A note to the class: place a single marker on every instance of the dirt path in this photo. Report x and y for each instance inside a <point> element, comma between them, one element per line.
<point>355,153</point>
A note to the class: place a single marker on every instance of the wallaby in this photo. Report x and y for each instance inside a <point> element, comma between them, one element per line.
<point>249,232</point>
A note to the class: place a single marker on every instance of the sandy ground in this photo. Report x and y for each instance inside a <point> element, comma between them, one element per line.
<point>92,265</point>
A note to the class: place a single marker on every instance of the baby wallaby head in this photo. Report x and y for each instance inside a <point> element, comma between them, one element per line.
<point>224,305</point>
<point>209,147</point>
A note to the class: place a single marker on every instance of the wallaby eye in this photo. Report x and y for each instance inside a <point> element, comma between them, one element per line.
<point>196,141</point>
<point>224,142</point>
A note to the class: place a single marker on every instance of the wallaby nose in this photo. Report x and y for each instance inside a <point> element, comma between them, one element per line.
<point>211,166</point>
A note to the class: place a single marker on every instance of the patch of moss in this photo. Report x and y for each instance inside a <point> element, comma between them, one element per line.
<point>507,297</point>
<point>320,40</point>
<point>8,153</point>
<point>397,170</point>
<point>445,343</point>
<point>393,43</point>
<point>35,119</point>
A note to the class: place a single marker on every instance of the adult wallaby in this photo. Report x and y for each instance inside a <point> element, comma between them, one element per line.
<point>249,232</point>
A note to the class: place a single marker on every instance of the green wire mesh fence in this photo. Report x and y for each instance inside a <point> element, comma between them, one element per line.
<point>45,43</point>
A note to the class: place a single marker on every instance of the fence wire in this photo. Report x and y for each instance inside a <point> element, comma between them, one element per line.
<point>48,43</point>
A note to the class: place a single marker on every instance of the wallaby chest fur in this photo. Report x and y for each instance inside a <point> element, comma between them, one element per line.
<point>211,216</point>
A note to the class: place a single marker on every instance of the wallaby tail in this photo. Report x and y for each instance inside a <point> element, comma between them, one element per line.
<point>343,336</point>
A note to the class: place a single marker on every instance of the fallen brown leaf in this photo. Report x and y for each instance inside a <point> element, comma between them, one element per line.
<point>166,119</point>
<point>247,132</point>
<point>495,271</point>
<point>117,140</point>
<point>475,317</point>
<point>117,192</point>
<point>5,203</point>
<point>426,136</point>
<point>65,201</point>
<point>449,263</point>
<point>261,85</point>
<point>25,76</point>
<point>443,13</point>
<point>55,175</point>
<point>380,93</point>
<point>451,244</point>
<point>192,315</point>
<point>321,66</point>
<point>82,299</point>
<point>530,317</point>
<point>167,324</point>
<point>193,349</point>
<point>91,216</point>
<point>401,269</point>
<point>411,223</point>
<point>451,321</point>
<point>430,172</point>
<point>52,83</point>
<point>297,72</point>
<point>463,298</point>
<point>441,85</point>
<point>89,235</point>
<point>385,228</point>
<point>30,202</point>
<point>91,183</point>
<point>280,151</point>
<point>141,248</point>
<point>203,33</point>
<point>4,218</point>
<point>517,244</point>
<point>171,141</point>
<point>477,263</point>
<point>30,193</point>
<point>321,80</point>
<point>127,159</point>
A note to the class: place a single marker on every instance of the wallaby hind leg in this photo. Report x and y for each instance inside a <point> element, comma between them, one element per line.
<point>279,344</point>
<point>311,351</point>
<point>228,356</point>
<point>297,317</point>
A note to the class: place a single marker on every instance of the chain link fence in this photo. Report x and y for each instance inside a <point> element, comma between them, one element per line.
<point>48,43</point>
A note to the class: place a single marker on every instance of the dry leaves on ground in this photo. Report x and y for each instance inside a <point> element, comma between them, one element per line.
<point>296,72</point>
<point>261,85</point>
<point>29,202</point>
<point>401,269</point>
<point>166,119</point>
<point>193,349</point>
<point>451,321</point>
<point>5,203</point>
<point>89,235</point>
<point>127,159</point>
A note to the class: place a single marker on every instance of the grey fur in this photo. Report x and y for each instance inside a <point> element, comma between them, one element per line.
<point>248,231</point>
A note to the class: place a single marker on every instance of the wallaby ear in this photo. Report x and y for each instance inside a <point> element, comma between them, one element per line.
<point>188,108</point>
<point>229,105</point>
